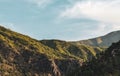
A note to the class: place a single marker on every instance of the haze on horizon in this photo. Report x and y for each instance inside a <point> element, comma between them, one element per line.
<point>61,19</point>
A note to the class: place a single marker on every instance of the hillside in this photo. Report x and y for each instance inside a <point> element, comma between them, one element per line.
<point>78,51</point>
<point>21,55</point>
<point>103,41</point>
<point>106,64</point>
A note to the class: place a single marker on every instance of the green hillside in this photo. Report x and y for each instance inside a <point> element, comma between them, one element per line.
<point>81,51</point>
<point>21,55</point>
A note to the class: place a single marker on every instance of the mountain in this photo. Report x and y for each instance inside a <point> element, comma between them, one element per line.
<point>21,55</point>
<point>103,41</point>
<point>78,51</point>
<point>106,64</point>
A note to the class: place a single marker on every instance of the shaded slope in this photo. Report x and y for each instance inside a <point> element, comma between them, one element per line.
<point>103,41</point>
<point>107,64</point>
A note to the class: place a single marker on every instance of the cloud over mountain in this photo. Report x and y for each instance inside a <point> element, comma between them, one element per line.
<point>105,11</point>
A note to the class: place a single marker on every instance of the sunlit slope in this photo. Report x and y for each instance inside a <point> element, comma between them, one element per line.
<point>21,55</point>
<point>67,48</point>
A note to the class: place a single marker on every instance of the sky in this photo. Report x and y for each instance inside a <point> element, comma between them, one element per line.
<point>69,20</point>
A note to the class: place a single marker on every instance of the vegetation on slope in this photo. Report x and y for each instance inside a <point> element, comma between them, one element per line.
<point>83,52</point>
<point>106,64</point>
<point>21,55</point>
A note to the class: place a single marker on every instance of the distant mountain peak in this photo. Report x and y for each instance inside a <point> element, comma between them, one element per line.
<point>102,41</point>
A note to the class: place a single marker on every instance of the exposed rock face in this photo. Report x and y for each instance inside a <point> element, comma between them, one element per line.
<point>68,66</point>
<point>26,63</point>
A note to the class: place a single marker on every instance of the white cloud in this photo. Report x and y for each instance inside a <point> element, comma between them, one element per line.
<point>41,3</point>
<point>104,11</point>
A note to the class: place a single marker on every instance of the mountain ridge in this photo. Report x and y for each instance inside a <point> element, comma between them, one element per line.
<point>21,55</point>
<point>101,41</point>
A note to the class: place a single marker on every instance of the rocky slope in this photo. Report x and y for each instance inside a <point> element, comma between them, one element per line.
<point>21,55</point>
<point>106,64</point>
<point>103,41</point>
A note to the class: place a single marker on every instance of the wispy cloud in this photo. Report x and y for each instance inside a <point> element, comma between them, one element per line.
<point>105,11</point>
<point>41,3</point>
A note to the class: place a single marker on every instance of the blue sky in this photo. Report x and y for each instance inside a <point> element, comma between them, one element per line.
<point>61,19</point>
